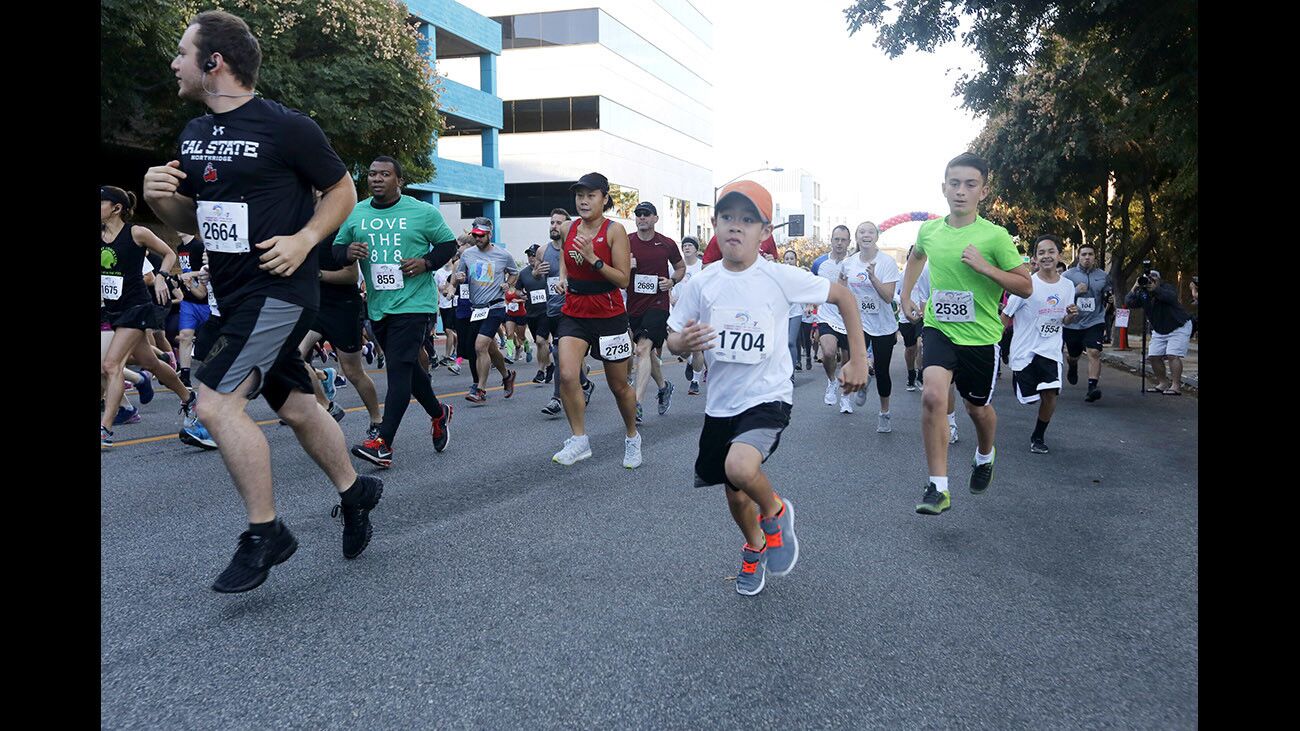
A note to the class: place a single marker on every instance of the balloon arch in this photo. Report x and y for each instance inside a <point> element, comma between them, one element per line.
<point>893,221</point>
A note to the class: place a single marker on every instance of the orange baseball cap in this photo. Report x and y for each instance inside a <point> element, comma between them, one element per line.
<point>756,194</point>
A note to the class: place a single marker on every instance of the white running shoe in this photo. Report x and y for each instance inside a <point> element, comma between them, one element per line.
<point>832,389</point>
<point>846,405</point>
<point>952,433</point>
<point>575,449</point>
<point>631,451</point>
<point>882,424</point>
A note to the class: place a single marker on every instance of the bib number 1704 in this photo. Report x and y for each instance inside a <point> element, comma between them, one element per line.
<point>743,340</point>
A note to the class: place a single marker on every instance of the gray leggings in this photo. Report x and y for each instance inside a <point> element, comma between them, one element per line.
<point>795,322</point>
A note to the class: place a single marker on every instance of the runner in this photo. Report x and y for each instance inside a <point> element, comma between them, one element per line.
<point>517,323</point>
<point>243,181</point>
<point>831,331</point>
<point>194,309</point>
<point>962,327</point>
<point>596,263</point>
<point>548,269</point>
<point>129,306</point>
<point>1036,346</point>
<point>873,276</point>
<point>647,301</point>
<point>192,430</point>
<point>735,312</point>
<point>794,321</point>
<point>694,361</point>
<point>533,289</point>
<point>447,313</point>
<point>489,270</point>
<point>1092,288</point>
<point>921,297</point>
<point>400,241</point>
<point>909,330</point>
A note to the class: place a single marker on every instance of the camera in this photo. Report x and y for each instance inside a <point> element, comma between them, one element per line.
<point>1145,278</point>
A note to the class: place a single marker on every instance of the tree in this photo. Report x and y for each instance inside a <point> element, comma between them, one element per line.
<point>355,66</point>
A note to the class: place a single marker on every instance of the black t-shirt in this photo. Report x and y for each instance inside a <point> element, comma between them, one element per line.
<point>268,157</point>
<point>190,256</point>
<point>325,256</point>
<point>120,263</point>
<point>156,262</point>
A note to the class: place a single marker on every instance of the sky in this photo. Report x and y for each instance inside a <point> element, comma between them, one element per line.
<point>793,89</point>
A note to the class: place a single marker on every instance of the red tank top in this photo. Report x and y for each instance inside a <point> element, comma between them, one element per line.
<point>606,304</point>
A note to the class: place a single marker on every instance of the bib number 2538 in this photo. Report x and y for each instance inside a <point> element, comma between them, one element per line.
<point>954,306</point>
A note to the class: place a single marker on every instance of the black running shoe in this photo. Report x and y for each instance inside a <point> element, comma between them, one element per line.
<point>552,407</point>
<point>375,451</point>
<point>587,388</point>
<point>550,373</point>
<point>981,476</point>
<point>356,517</point>
<point>1037,446</point>
<point>254,558</point>
<point>372,432</point>
<point>540,377</point>
<point>1093,395</point>
<point>1072,373</point>
<point>441,429</point>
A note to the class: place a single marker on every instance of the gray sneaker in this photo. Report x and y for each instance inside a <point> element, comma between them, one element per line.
<point>553,407</point>
<point>882,424</point>
<point>337,411</point>
<point>632,452</point>
<point>753,571</point>
<point>782,544</point>
<point>587,389</point>
<point>666,397</point>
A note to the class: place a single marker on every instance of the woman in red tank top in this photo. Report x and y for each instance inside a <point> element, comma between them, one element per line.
<point>595,263</point>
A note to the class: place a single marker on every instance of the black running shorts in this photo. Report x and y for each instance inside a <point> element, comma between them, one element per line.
<point>140,317</point>
<point>653,325</point>
<point>974,367</point>
<point>261,338</point>
<point>1042,374</point>
<point>758,426</point>
<point>592,329</point>
<point>1088,337</point>
<point>910,331</point>
<point>840,337</point>
<point>339,322</point>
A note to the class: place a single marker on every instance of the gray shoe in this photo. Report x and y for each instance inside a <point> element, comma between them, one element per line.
<point>782,544</point>
<point>587,389</point>
<point>882,424</point>
<point>753,571</point>
<point>666,397</point>
<point>553,407</point>
<point>337,411</point>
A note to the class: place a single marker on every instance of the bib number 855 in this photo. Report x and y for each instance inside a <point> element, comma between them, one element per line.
<point>388,279</point>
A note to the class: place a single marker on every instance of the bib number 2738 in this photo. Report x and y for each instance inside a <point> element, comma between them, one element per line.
<point>615,347</point>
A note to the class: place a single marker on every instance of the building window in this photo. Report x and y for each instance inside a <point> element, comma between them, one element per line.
<point>550,115</point>
<point>536,200</point>
<point>563,28</point>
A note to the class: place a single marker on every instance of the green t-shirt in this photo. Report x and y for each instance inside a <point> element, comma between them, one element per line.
<point>943,245</point>
<point>404,230</point>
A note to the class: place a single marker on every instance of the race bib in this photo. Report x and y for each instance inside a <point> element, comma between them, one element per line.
<point>615,347</point>
<point>536,296</point>
<point>110,287</point>
<point>1049,328</point>
<point>646,284</point>
<point>1087,304</point>
<point>744,336</point>
<point>868,306</point>
<point>553,285</point>
<point>224,226</point>
<point>512,307</point>
<point>479,313</point>
<point>388,277</point>
<point>464,291</point>
<point>954,306</point>
<point>212,299</point>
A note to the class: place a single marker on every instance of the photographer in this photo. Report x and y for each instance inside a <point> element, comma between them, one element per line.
<point>1171,329</point>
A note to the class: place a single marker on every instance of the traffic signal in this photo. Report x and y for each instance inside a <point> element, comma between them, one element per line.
<point>795,228</point>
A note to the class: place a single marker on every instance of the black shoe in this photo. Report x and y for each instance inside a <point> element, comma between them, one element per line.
<point>934,502</point>
<point>1037,446</point>
<point>337,411</point>
<point>381,360</point>
<point>372,432</point>
<point>587,388</point>
<point>441,429</point>
<point>553,407</point>
<point>798,366</point>
<point>356,517</point>
<point>375,451</point>
<point>254,558</point>
<point>540,377</point>
<point>1093,395</point>
<point>1072,373</point>
<point>550,374</point>
<point>980,477</point>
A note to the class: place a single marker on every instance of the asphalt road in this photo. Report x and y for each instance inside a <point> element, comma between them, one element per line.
<point>504,591</point>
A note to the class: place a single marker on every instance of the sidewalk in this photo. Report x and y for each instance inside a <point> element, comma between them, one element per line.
<point>1128,360</point>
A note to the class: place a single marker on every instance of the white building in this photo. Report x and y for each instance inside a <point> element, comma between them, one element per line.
<point>622,89</point>
<point>795,191</point>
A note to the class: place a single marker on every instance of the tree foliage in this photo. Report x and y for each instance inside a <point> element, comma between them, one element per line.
<point>355,66</point>
<point>1092,113</point>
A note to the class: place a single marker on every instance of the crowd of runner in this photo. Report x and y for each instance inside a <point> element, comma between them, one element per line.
<point>280,266</point>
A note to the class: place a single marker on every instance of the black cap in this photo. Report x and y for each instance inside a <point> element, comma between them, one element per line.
<point>645,206</point>
<point>113,195</point>
<point>532,249</point>
<point>592,181</point>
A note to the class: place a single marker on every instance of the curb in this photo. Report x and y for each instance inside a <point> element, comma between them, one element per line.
<point>1116,361</point>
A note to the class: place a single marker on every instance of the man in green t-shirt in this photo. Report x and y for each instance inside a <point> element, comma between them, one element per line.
<point>971,262</point>
<point>400,242</point>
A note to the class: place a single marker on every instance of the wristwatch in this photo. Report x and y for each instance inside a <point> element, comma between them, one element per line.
<point>598,264</point>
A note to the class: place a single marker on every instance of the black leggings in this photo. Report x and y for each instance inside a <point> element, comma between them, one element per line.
<point>882,349</point>
<point>401,337</point>
<point>805,339</point>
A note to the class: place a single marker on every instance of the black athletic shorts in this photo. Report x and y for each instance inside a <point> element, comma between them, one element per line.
<point>974,367</point>
<point>448,319</point>
<point>1089,337</point>
<point>261,336</point>
<point>402,336</point>
<point>840,337</point>
<point>206,336</point>
<point>540,325</point>
<point>910,330</point>
<point>592,329</point>
<point>518,319</point>
<point>339,322</point>
<point>1042,374</point>
<point>653,325</point>
<point>466,334</point>
<point>140,317</point>
<point>758,426</point>
<point>489,325</point>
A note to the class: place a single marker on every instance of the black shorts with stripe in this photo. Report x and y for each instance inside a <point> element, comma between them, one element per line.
<point>758,426</point>
<point>260,338</point>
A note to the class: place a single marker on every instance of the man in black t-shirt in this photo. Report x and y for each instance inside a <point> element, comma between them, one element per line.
<point>194,310</point>
<point>242,182</point>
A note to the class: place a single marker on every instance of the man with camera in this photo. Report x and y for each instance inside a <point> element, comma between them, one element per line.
<point>1171,329</point>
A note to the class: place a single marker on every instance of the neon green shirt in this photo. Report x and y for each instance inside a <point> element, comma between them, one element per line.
<point>943,245</point>
<point>404,230</point>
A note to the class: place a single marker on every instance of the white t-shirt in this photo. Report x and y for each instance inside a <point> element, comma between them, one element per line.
<point>877,317</point>
<point>1037,321</point>
<point>691,270</point>
<point>829,314</point>
<point>440,278</point>
<point>743,307</point>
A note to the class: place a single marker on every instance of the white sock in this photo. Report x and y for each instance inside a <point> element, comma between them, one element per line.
<point>984,458</point>
<point>885,414</point>
<point>952,419</point>
<point>940,483</point>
